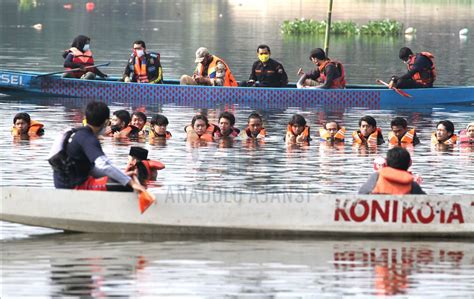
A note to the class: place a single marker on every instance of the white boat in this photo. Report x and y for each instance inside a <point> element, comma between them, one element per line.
<point>209,213</point>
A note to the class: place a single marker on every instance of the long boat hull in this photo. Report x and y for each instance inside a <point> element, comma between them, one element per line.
<point>202,96</point>
<point>206,213</point>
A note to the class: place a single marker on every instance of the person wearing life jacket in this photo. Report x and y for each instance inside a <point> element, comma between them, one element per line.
<point>393,178</point>
<point>87,167</point>
<point>332,133</point>
<point>143,66</point>
<point>139,121</point>
<point>266,72</point>
<point>421,70</point>
<point>139,165</point>
<point>158,124</point>
<point>211,70</point>
<point>444,133</point>
<point>255,129</point>
<point>297,132</point>
<point>400,134</point>
<point>467,136</point>
<point>23,125</point>
<point>80,56</point>
<point>226,122</point>
<point>368,132</point>
<point>200,129</point>
<point>120,125</point>
<point>327,74</point>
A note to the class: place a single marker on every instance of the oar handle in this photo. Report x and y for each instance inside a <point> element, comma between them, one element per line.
<point>397,90</point>
<point>73,70</point>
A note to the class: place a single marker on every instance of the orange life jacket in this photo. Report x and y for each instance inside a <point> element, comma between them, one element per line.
<point>154,135</point>
<point>152,168</point>
<point>33,130</point>
<point>393,181</point>
<point>229,79</point>
<point>305,133</point>
<point>247,133</point>
<point>82,58</point>
<point>463,138</point>
<point>451,140</point>
<point>358,138</point>
<point>208,134</point>
<point>429,75</point>
<point>406,139</point>
<point>325,136</point>
<point>140,70</point>
<point>339,82</point>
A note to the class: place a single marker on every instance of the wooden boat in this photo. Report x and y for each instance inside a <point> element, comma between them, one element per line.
<point>373,97</point>
<point>206,213</point>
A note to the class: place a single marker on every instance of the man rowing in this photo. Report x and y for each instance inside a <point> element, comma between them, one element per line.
<point>327,74</point>
<point>78,160</point>
<point>421,70</point>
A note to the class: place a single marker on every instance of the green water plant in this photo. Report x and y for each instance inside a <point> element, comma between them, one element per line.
<point>309,26</point>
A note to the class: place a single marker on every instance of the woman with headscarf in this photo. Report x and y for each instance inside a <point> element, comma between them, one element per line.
<point>80,56</point>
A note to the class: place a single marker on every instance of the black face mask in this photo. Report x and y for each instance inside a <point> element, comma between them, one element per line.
<point>115,128</point>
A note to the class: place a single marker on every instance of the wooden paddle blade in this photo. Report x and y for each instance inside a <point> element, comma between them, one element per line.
<point>145,199</point>
<point>397,90</point>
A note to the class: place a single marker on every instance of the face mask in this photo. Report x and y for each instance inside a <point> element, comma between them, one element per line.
<point>263,57</point>
<point>140,53</point>
<point>87,47</point>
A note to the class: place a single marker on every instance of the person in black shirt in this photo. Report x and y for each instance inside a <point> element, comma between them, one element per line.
<point>266,72</point>
<point>421,70</point>
<point>327,74</point>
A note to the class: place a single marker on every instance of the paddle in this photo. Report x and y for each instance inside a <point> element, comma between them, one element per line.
<point>399,91</point>
<point>145,199</point>
<point>72,70</point>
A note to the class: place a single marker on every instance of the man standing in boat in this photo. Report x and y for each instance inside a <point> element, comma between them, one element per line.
<point>327,74</point>
<point>394,178</point>
<point>78,160</point>
<point>267,72</point>
<point>211,70</point>
<point>143,66</point>
<point>421,70</point>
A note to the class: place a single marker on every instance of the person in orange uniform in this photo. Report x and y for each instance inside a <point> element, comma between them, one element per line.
<point>368,132</point>
<point>211,70</point>
<point>332,133</point>
<point>394,178</point>
<point>143,66</point>
<point>400,134</point>
<point>421,70</point>
<point>139,165</point>
<point>158,125</point>
<point>255,129</point>
<point>444,133</point>
<point>24,126</point>
<point>80,56</point>
<point>120,125</point>
<point>200,129</point>
<point>327,74</point>
<point>297,130</point>
<point>467,136</point>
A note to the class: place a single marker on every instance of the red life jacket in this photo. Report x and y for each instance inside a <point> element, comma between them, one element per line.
<point>406,139</point>
<point>393,181</point>
<point>428,76</point>
<point>33,130</point>
<point>152,168</point>
<point>82,58</point>
<point>339,82</point>
<point>229,79</point>
<point>463,138</point>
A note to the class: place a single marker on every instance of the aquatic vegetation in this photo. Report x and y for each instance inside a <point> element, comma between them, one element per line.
<point>307,27</point>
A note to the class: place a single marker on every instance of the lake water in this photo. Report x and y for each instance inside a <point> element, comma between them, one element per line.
<point>56,264</point>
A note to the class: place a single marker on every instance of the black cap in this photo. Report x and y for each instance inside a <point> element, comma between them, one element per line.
<point>404,53</point>
<point>317,53</point>
<point>138,152</point>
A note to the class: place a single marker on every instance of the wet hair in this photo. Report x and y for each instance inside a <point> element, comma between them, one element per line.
<point>399,122</point>
<point>398,158</point>
<point>123,115</point>
<point>159,120</point>
<point>405,53</point>
<point>332,121</point>
<point>229,116</point>
<point>197,117</point>
<point>139,114</point>
<point>254,115</point>
<point>317,53</point>
<point>97,113</point>
<point>297,119</point>
<point>139,42</point>
<point>264,47</point>
<point>448,125</point>
<point>369,120</point>
<point>22,115</point>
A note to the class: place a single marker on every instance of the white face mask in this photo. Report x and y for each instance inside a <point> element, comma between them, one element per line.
<point>140,53</point>
<point>87,47</point>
